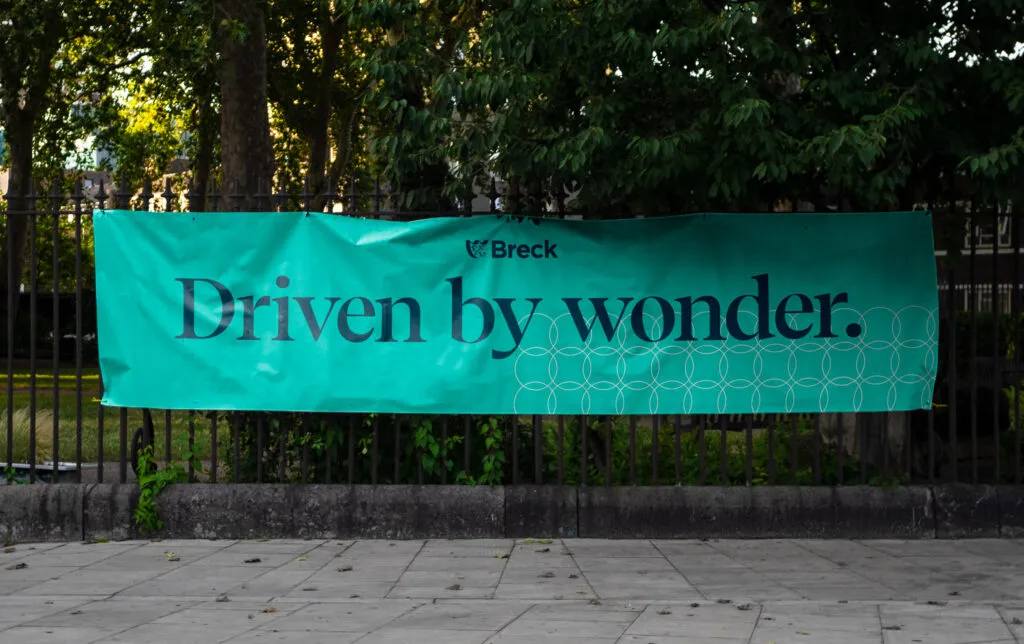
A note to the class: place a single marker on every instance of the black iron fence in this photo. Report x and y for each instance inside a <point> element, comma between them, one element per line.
<point>52,427</point>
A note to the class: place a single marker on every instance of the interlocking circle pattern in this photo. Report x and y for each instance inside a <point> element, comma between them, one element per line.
<point>890,364</point>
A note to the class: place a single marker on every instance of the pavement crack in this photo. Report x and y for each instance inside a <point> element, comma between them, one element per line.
<point>757,622</point>
<point>583,575</point>
<point>423,544</point>
<point>504,567</point>
<point>678,570</point>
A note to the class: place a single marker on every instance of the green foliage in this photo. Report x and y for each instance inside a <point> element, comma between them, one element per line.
<point>432,450</point>
<point>673,107</point>
<point>153,480</point>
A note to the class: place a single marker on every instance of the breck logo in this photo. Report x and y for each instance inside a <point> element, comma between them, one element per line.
<point>498,249</point>
<point>476,248</point>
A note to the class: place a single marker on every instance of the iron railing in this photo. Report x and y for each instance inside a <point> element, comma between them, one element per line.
<point>55,430</point>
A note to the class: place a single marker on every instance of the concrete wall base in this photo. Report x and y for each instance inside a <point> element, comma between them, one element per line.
<point>56,512</point>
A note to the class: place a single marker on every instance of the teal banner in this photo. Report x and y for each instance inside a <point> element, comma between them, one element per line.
<point>492,314</point>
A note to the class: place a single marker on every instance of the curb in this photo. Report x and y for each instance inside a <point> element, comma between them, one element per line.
<point>72,512</point>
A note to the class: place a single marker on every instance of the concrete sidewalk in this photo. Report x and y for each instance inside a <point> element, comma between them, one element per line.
<point>514,592</point>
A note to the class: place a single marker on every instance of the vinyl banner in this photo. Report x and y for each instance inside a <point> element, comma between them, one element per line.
<point>493,314</point>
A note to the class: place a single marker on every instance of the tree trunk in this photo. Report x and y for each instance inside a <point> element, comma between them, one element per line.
<point>247,158</point>
<point>12,255</point>
<point>206,133</point>
<point>319,144</point>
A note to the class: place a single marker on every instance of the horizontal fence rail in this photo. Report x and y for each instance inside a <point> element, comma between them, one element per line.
<point>53,429</point>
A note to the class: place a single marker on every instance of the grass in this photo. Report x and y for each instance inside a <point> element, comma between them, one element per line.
<point>67,379</point>
<point>68,422</point>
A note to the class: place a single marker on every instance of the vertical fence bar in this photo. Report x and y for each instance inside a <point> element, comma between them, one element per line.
<point>398,449</point>
<point>331,426</point>
<point>702,449</point>
<point>55,457</point>
<point>419,467</point>
<point>996,375</point>
<point>632,450</point>
<point>468,451</point>
<point>584,430</point>
<point>122,438</point>
<point>282,461</point>
<point>817,449</point>
<point>908,440</point>
<point>885,443</point>
<point>351,450</point>
<point>444,452</point>
<point>794,446</point>
<point>1015,309</point>
<point>952,374</point>
<point>655,431</point>
<point>99,434</point>
<point>538,453</point>
<point>723,438</point>
<point>213,448</point>
<point>840,451</point>
<point>304,462</point>
<point>865,426</point>
<point>561,450</point>
<point>972,312</point>
<point>32,348</point>
<point>678,429</point>
<point>259,448</point>
<point>191,446</point>
<point>771,452</point>
<point>12,298</point>
<point>236,447</point>
<point>607,450</point>
<point>78,327</point>
<point>515,450</point>
<point>376,443</point>
<point>749,456</point>
<point>167,436</point>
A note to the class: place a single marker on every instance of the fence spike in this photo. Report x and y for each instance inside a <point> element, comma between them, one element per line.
<point>168,195</point>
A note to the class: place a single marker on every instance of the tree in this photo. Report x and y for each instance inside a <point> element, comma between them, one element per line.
<point>635,106</point>
<point>57,59</point>
<point>247,161</point>
<point>316,88</point>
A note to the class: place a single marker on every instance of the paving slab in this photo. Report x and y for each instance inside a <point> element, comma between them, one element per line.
<point>505,591</point>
